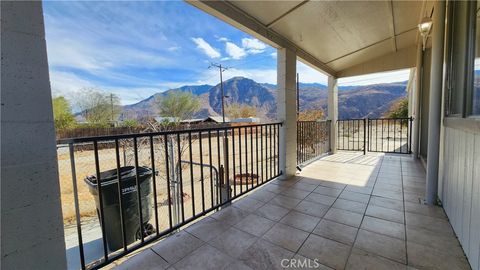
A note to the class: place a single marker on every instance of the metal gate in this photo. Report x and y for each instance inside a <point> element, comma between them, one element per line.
<point>387,135</point>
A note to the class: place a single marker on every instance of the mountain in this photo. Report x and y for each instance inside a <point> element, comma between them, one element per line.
<point>243,91</point>
<point>354,101</point>
<point>147,107</point>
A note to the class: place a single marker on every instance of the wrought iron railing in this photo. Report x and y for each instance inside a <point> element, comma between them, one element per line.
<point>167,179</point>
<point>313,140</point>
<point>388,135</point>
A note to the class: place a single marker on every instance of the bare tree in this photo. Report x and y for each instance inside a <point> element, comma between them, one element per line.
<point>97,106</point>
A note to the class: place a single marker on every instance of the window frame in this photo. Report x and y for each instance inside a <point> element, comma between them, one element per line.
<point>466,104</point>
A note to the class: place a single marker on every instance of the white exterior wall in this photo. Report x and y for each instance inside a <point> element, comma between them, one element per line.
<point>31,217</point>
<point>461,189</point>
<point>286,110</point>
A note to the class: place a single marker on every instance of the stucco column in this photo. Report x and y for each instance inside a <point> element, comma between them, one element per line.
<point>435,102</point>
<point>417,102</point>
<point>333,111</point>
<point>286,110</point>
<point>31,224</point>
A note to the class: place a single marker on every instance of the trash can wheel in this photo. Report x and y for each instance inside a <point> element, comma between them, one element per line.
<point>148,229</point>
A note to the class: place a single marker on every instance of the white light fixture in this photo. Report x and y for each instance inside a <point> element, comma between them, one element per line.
<point>424,28</point>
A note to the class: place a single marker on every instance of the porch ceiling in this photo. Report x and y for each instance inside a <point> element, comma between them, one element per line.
<point>337,35</point>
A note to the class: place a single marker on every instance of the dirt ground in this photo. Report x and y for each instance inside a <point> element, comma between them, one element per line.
<point>194,189</point>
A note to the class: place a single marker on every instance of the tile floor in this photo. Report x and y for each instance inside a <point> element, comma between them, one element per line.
<point>346,211</point>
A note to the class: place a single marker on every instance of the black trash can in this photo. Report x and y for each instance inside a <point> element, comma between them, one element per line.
<point>111,205</point>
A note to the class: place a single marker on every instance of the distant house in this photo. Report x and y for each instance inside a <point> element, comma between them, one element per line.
<point>209,119</point>
<point>246,120</point>
<point>161,119</point>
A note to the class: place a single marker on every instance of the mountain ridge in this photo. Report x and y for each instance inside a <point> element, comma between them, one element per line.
<point>354,101</point>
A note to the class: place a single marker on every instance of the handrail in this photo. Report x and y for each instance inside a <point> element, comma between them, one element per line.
<point>159,133</point>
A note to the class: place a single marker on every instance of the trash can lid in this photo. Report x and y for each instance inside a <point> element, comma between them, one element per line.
<point>125,173</point>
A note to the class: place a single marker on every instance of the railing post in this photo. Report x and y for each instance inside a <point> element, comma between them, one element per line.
<point>410,135</point>
<point>365,136</point>
<point>225,181</point>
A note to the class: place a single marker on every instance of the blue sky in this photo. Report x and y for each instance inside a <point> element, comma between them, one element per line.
<point>135,49</point>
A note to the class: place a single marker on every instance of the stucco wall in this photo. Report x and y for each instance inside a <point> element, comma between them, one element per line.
<point>31,223</point>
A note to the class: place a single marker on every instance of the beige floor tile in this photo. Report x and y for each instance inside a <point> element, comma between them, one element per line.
<point>344,216</point>
<point>272,212</point>
<point>353,206</point>
<point>233,242</point>
<point>300,221</point>
<point>387,203</point>
<point>438,225</point>
<point>296,193</point>
<point>285,201</point>
<point>355,196</point>
<point>336,231</point>
<point>312,209</point>
<point>207,228</point>
<point>382,245</point>
<point>262,195</point>
<point>332,184</point>
<point>319,198</point>
<point>205,257</point>
<point>360,259</point>
<point>442,241</point>
<point>332,192</point>
<point>304,186</point>
<point>274,188</point>
<point>248,204</point>
<point>427,210</point>
<point>391,186</point>
<point>413,197</point>
<point>396,195</point>
<point>385,213</point>
<point>255,225</point>
<point>176,246</point>
<point>230,215</point>
<point>423,257</point>
<point>385,227</point>
<point>286,237</point>
<point>263,255</point>
<point>360,189</point>
<point>310,180</point>
<point>237,265</point>
<point>146,259</point>
<point>328,252</point>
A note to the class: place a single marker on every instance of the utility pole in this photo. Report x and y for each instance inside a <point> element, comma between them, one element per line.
<point>111,104</point>
<point>221,70</point>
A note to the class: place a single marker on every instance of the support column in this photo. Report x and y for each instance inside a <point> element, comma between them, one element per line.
<point>435,102</point>
<point>31,225</point>
<point>418,102</point>
<point>333,112</point>
<point>286,110</point>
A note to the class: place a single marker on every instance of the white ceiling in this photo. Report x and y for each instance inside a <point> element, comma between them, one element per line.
<point>340,34</point>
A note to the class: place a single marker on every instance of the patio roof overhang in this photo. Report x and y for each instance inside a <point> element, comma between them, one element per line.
<point>338,38</point>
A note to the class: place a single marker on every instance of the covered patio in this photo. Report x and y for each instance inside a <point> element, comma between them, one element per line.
<point>345,211</point>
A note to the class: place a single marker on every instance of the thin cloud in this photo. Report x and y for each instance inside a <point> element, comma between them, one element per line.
<point>206,48</point>
<point>253,45</point>
<point>234,51</point>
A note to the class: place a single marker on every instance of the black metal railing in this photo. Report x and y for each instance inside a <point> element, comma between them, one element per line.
<point>189,174</point>
<point>390,135</point>
<point>351,134</point>
<point>313,140</point>
<point>387,135</point>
